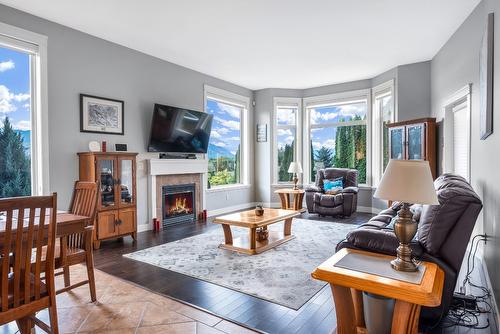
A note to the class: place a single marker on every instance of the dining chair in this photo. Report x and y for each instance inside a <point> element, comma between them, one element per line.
<point>77,247</point>
<point>28,228</point>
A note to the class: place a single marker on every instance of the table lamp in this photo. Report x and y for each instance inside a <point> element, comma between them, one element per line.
<point>295,168</point>
<point>406,181</point>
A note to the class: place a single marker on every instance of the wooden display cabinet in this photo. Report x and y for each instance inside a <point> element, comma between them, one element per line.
<point>116,207</point>
<point>414,140</point>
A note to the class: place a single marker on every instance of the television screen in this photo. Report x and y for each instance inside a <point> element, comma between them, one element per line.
<point>179,130</point>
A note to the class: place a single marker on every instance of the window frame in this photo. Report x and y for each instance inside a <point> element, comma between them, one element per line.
<point>295,102</point>
<point>336,98</point>
<point>378,92</point>
<point>35,45</point>
<point>221,95</point>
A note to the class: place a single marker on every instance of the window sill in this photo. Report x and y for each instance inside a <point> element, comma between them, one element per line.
<point>228,188</point>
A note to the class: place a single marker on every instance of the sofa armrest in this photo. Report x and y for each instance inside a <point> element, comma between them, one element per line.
<point>353,190</point>
<point>379,241</point>
<point>313,189</point>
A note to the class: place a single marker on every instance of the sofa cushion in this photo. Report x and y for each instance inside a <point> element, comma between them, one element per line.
<point>436,221</point>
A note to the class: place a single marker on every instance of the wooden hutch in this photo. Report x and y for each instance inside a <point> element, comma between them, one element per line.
<point>414,140</point>
<point>116,208</point>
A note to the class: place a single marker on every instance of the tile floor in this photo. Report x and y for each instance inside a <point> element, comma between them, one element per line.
<point>125,308</point>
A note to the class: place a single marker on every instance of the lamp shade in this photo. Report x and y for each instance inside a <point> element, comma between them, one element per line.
<point>295,167</point>
<point>407,181</point>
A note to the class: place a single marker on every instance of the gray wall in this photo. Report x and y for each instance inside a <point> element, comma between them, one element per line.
<point>456,65</point>
<point>79,63</point>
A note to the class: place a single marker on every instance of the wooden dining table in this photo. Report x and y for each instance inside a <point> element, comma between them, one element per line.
<point>66,224</point>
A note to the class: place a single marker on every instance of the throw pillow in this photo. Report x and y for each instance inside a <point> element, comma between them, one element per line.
<point>335,183</point>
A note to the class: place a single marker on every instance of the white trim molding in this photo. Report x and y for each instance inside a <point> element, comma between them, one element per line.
<point>36,45</point>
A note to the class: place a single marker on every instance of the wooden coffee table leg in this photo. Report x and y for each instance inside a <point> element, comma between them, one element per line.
<point>253,238</point>
<point>228,236</point>
<point>405,318</point>
<point>288,227</point>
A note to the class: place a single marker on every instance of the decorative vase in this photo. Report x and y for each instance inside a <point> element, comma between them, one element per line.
<point>259,211</point>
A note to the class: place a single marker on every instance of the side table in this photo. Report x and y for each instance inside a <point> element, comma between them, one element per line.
<point>298,197</point>
<point>347,286</point>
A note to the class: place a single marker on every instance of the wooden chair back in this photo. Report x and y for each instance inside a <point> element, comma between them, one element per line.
<point>83,203</point>
<point>28,224</point>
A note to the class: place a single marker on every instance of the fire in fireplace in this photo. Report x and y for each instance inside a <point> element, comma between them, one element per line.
<point>178,203</point>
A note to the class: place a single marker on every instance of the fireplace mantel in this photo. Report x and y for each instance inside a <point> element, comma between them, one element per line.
<point>159,167</point>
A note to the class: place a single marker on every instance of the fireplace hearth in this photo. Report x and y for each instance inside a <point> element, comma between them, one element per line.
<point>179,204</point>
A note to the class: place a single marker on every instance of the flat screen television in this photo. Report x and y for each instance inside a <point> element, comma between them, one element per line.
<point>179,130</point>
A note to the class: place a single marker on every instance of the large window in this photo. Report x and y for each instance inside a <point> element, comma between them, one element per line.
<point>285,136</point>
<point>383,114</point>
<point>226,164</point>
<point>23,167</point>
<point>337,131</point>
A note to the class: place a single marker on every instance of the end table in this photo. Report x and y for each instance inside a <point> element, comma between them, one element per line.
<point>347,286</point>
<point>298,197</point>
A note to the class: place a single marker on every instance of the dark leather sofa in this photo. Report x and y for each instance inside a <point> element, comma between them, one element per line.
<point>443,233</point>
<point>342,204</point>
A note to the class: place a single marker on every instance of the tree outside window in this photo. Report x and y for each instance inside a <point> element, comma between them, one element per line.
<point>338,137</point>
<point>15,123</point>
<point>286,137</point>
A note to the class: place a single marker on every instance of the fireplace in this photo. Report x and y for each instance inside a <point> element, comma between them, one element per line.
<point>179,203</point>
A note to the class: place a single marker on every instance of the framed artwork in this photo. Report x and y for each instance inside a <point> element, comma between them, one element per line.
<point>261,133</point>
<point>486,81</point>
<point>101,115</point>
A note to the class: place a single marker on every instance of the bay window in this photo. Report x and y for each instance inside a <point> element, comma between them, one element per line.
<point>337,131</point>
<point>286,133</point>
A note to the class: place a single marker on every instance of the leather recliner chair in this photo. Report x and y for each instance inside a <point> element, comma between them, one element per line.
<point>342,204</point>
<point>443,233</point>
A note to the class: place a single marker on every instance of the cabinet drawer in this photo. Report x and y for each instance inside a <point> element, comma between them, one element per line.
<point>127,221</point>
<point>106,224</point>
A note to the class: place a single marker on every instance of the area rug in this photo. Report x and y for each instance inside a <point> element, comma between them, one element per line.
<point>281,275</point>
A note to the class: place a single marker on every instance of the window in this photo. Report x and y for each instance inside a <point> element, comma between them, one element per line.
<point>23,126</point>
<point>285,136</point>
<point>383,113</point>
<point>337,131</point>
<point>457,128</point>
<point>227,147</point>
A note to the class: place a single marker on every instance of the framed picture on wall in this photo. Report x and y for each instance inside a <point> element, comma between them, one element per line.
<point>101,115</point>
<point>486,81</point>
<point>261,133</point>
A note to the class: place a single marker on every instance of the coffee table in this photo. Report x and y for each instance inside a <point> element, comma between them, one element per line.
<point>249,244</point>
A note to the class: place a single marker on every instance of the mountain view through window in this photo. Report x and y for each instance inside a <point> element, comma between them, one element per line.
<point>224,153</point>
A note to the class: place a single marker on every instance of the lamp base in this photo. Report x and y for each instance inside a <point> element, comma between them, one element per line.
<point>295,181</point>
<point>405,229</point>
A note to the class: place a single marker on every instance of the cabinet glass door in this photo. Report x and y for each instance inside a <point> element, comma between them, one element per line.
<point>415,135</point>
<point>396,139</point>
<point>126,181</point>
<point>106,175</point>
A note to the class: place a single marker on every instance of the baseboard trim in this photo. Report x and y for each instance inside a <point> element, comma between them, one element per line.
<point>495,310</point>
<point>367,209</point>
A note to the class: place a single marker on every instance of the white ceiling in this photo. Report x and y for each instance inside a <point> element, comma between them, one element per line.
<point>268,43</point>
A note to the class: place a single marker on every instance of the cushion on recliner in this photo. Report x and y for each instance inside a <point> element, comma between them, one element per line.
<point>328,201</point>
<point>350,176</point>
<point>436,221</point>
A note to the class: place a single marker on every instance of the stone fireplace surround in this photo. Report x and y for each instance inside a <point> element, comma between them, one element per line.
<point>175,172</point>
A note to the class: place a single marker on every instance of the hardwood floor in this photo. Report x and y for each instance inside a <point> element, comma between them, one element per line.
<point>316,316</point>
